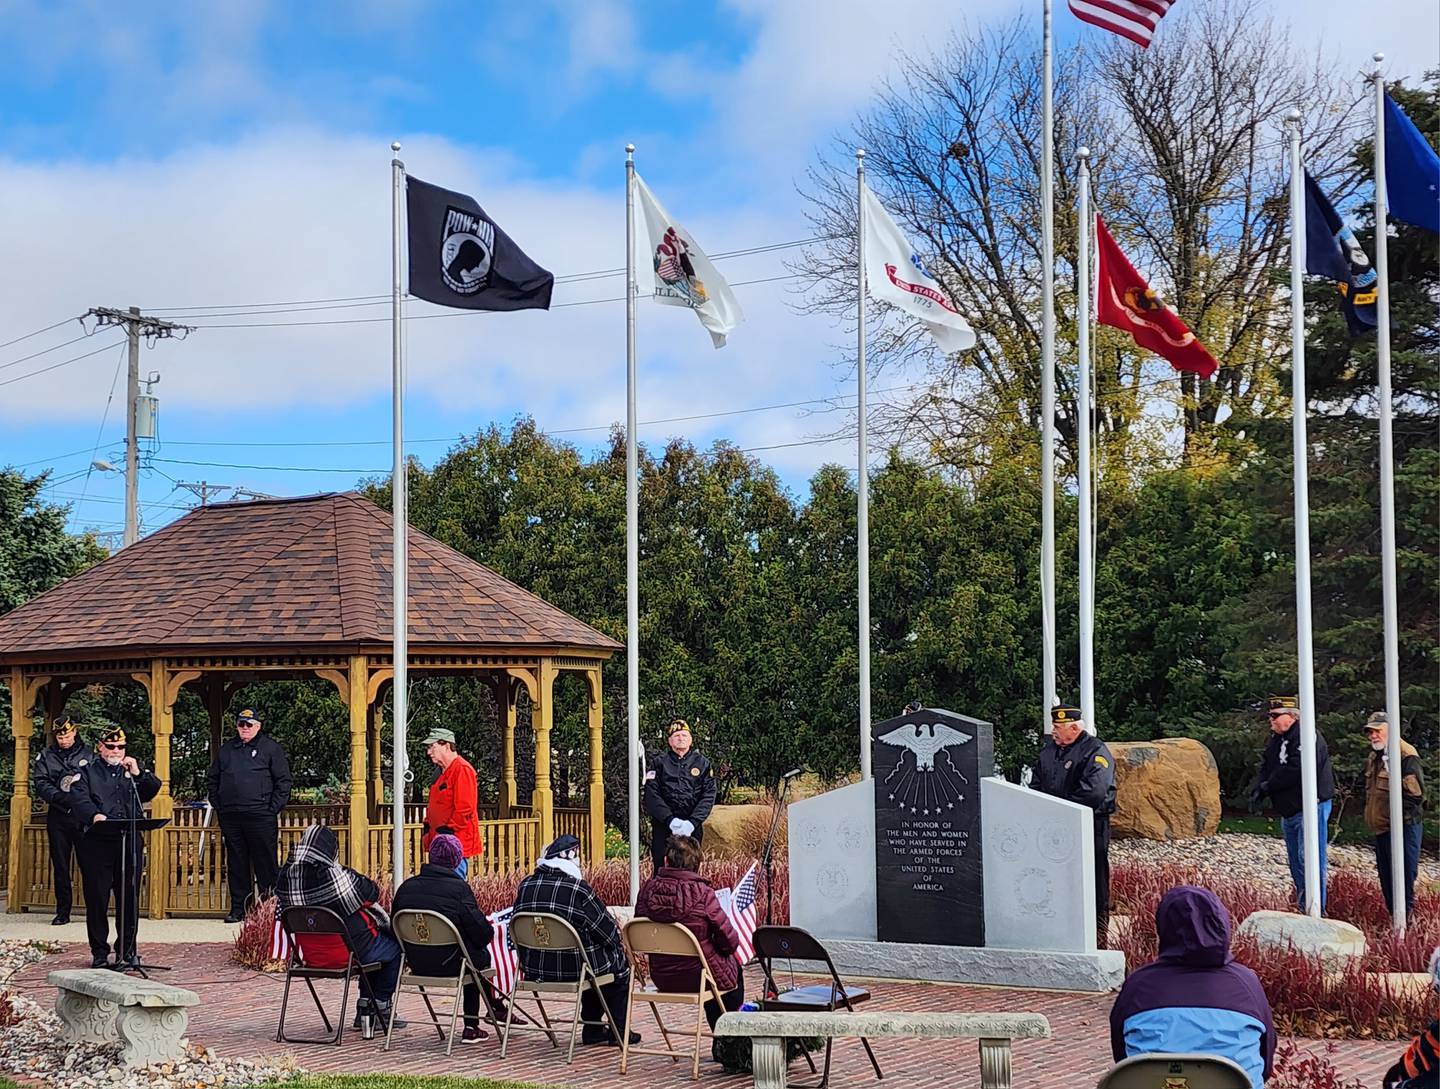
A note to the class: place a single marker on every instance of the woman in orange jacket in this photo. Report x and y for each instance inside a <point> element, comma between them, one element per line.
<point>452,803</point>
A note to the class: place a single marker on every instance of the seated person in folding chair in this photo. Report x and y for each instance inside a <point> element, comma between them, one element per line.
<point>557,888</point>
<point>678,894</point>
<point>313,877</point>
<point>440,886</point>
<point>1194,998</point>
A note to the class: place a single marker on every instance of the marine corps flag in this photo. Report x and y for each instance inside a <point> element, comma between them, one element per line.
<point>1124,300</point>
<point>460,257</point>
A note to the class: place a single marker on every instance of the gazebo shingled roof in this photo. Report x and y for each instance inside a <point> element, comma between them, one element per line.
<point>312,571</point>
<point>235,593</point>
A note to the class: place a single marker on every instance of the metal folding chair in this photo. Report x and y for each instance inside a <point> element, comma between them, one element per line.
<point>1160,1071</point>
<point>544,932</point>
<point>299,922</point>
<point>432,931</point>
<point>674,940</point>
<point>790,943</point>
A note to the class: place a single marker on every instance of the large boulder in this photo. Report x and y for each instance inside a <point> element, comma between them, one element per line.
<point>738,831</point>
<point>1338,944</point>
<point>1167,789</point>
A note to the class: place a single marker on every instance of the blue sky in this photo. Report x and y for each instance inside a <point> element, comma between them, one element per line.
<point>217,156</point>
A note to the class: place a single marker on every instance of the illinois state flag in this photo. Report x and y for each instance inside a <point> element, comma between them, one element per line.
<point>1124,300</point>
<point>460,257</point>
<point>683,275</point>
<point>895,274</point>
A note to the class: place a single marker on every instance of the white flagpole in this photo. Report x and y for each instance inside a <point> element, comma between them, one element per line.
<point>632,535</point>
<point>1047,376</point>
<point>400,558</point>
<point>1087,524</point>
<point>1387,510</point>
<point>1309,801</point>
<point>862,478</point>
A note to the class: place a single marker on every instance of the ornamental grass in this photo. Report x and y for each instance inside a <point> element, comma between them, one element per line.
<point>1358,1002</point>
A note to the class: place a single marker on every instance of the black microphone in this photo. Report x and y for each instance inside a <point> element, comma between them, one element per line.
<point>792,774</point>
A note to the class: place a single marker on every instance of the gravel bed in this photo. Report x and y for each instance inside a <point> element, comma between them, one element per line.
<point>1254,858</point>
<point>33,1047</point>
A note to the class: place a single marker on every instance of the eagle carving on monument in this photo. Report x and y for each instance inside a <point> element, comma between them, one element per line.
<point>925,740</point>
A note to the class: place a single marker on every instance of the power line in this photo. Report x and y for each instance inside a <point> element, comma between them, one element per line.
<point>44,351</point>
<point>37,332</point>
<point>62,363</point>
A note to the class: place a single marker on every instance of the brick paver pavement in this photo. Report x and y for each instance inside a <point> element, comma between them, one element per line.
<point>239,1008</point>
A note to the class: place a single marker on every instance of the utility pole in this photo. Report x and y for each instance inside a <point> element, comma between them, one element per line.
<point>204,490</point>
<point>154,329</point>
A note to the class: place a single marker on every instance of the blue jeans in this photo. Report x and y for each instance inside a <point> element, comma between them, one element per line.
<point>1294,831</point>
<point>1411,838</point>
<point>383,948</point>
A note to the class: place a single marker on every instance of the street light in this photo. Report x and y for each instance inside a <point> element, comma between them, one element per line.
<point>103,466</point>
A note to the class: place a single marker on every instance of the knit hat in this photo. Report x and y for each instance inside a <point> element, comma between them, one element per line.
<point>446,851</point>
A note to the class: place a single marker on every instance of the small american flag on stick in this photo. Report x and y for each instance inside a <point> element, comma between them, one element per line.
<point>1133,19</point>
<point>739,906</point>
<point>503,958</point>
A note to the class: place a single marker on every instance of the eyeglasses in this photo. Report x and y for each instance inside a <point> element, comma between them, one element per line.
<point>108,745</point>
<point>1278,714</point>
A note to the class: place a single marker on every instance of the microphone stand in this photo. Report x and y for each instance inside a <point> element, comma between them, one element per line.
<point>128,852</point>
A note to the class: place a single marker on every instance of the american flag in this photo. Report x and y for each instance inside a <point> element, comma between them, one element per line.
<point>279,943</point>
<point>1133,19</point>
<point>739,906</point>
<point>503,958</point>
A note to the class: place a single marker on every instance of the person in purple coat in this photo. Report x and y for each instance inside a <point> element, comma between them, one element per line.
<point>1194,997</point>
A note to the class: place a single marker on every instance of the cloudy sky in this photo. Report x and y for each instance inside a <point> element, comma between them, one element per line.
<point>227,164</point>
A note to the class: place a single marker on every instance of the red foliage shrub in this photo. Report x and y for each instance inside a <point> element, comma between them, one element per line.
<point>9,1015</point>
<point>1295,1069</point>
<point>254,941</point>
<point>1306,1001</point>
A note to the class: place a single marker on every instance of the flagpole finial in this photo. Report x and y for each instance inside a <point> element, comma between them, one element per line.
<point>1379,58</point>
<point>395,146</point>
<point>1082,153</point>
<point>629,149</point>
<point>859,153</point>
<point>1292,115</point>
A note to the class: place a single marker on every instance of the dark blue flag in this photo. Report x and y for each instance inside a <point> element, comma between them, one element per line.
<point>460,257</point>
<point>1332,251</point>
<point>1412,171</point>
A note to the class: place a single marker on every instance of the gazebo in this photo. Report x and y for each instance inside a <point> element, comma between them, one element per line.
<point>286,589</point>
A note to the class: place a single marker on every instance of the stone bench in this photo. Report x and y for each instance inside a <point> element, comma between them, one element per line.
<point>99,1006</point>
<point>768,1031</point>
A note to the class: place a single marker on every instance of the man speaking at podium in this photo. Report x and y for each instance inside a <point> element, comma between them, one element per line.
<point>112,788</point>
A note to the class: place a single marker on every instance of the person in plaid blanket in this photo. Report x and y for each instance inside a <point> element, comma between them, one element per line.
<point>558,888</point>
<point>314,877</point>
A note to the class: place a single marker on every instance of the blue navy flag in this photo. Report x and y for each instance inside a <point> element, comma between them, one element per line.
<point>1332,251</point>
<point>1412,171</point>
<point>460,257</point>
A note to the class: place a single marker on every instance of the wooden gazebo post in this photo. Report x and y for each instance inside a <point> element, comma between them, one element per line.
<point>22,699</point>
<point>595,721</point>
<point>542,719</point>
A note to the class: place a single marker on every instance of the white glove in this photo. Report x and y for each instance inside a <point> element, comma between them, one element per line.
<point>686,829</point>
<point>675,825</point>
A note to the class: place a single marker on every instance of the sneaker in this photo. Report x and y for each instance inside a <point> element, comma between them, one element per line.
<point>473,1035</point>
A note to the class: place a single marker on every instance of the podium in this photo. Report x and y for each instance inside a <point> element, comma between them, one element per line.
<point>125,833</point>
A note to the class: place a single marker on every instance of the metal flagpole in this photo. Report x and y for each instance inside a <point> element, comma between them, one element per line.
<point>1309,801</point>
<point>401,517</point>
<point>1047,375</point>
<point>862,478</point>
<point>632,536</point>
<point>1087,523</point>
<point>1387,511</point>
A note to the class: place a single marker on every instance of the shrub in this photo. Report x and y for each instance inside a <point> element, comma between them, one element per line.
<point>1306,1000</point>
<point>9,1013</point>
<point>1295,1069</point>
<point>253,944</point>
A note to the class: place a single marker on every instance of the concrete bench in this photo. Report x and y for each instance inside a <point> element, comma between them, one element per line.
<point>99,1006</point>
<point>768,1031</point>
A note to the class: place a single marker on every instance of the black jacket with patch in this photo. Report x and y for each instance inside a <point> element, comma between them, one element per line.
<point>250,778</point>
<point>683,788</point>
<point>1083,772</point>
<point>52,767</point>
<point>1280,771</point>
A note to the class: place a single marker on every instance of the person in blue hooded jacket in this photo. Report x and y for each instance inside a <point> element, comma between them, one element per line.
<point>1194,997</point>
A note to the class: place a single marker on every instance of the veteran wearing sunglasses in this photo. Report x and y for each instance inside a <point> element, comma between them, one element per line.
<point>112,788</point>
<point>1280,780</point>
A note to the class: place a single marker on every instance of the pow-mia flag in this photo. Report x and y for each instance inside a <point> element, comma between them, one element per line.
<point>460,257</point>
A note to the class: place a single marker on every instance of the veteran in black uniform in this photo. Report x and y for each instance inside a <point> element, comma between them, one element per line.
<point>248,785</point>
<point>1077,766</point>
<point>56,769</point>
<point>111,788</point>
<point>679,791</point>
